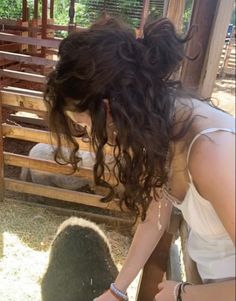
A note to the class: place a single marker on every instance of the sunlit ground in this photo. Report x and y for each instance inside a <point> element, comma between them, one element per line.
<point>224,93</point>
<point>20,270</point>
<point>27,231</point>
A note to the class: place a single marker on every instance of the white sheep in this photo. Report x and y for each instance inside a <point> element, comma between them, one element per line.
<point>46,152</point>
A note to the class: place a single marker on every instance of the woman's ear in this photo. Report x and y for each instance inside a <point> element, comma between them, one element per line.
<point>109,118</point>
<point>107,105</point>
<point>107,109</point>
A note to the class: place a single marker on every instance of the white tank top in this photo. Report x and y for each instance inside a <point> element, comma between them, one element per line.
<point>209,244</point>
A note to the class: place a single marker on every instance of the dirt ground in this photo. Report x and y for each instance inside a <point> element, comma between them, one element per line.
<point>26,231</point>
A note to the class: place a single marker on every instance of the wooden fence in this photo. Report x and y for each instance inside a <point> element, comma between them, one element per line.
<point>25,101</point>
<point>227,62</point>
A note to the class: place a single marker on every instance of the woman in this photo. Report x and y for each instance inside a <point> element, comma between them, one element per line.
<point>170,149</point>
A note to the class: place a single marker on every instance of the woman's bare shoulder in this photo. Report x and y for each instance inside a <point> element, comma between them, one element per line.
<point>204,115</point>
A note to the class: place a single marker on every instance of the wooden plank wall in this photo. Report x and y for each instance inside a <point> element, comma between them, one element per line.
<point>18,99</point>
<point>36,104</point>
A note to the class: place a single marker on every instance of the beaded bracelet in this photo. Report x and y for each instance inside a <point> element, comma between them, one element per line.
<point>121,296</point>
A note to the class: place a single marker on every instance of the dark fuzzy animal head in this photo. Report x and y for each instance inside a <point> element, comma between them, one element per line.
<point>80,266</point>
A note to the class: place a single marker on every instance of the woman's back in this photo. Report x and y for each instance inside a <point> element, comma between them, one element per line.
<point>209,245</point>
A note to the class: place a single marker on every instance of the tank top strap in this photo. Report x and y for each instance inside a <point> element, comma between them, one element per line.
<point>206,131</point>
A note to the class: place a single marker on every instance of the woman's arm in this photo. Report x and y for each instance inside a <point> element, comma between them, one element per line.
<point>220,291</point>
<point>146,238</point>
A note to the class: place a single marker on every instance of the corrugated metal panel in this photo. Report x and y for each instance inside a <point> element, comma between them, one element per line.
<point>129,10</point>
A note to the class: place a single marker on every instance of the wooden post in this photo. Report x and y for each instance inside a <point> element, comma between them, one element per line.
<point>71,15</point>
<point>44,19</point>
<point>51,9</point>
<point>34,25</point>
<point>155,269</point>
<point>165,8</point>
<point>202,16</point>
<point>216,42</point>
<point>145,12</point>
<point>36,9</point>
<point>175,12</point>
<point>1,155</point>
<point>33,34</point>
<point>44,29</point>
<point>25,14</point>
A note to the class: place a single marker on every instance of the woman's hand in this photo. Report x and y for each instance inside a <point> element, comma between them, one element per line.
<point>166,291</point>
<point>107,296</point>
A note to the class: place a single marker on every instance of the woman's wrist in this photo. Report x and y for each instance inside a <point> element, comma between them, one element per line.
<point>119,294</point>
<point>121,283</point>
<point>180,290</point>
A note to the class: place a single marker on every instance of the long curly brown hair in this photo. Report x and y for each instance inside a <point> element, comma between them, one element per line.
<point>108,62</point>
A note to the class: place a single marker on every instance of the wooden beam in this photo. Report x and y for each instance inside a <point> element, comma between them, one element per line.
<point>44,24</point>
<point>27,134</point>
<point>45,165</point>
<point>39,136</point>
<point>35,78</point>
<point>155,269</point>
<point>216,42</point>
<point>18,28</point>
<point>36,9</point>
<point>59,194</point>
<point>65,28</point>
<point>25,15</point>
<point>22,91</point>
<point>44,18</point>
<point>53,43</point>
<point>202,17</point>
<point>51,9</point>
<point>28,59</point>
<point>1,156</point>
<point>50,166</point>
<point>175,12</point>
<point>23,102</point>
<point>33,33</point>
<point>71,11</point>
<point>145,12</point>
<point>165,8</point>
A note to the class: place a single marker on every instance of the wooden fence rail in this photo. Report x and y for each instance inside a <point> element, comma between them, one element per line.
<point>52,43</point>
<point>24,58</point>
<point>59,194</point>
<point>35,78</point>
